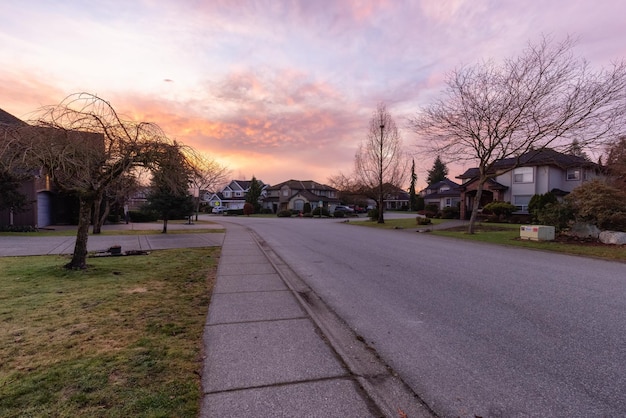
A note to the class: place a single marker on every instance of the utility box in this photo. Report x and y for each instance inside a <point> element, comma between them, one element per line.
<point>537,232</point>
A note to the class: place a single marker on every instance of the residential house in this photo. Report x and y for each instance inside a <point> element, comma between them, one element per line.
<point>233,195</point>
<point>395,198</point>
<point>444,194</point>
<point>294,194</point>
<point>36,187</point>
<point>538,172</point>
<point>46,205</point>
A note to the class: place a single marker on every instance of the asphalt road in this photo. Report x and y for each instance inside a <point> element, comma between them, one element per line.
<point>474,329</point>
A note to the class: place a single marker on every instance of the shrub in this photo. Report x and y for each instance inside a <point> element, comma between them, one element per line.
<point>284,214</point>
<point>597,203</point>
<point>556,214</point>
<point>538,202</point>
<point>233,212</point>
<point>500,210</point>
<point>325,212</point>
<point>450,212</point>
<point>373,214</point>
<point>143,216</point>
<point>18,228</point>
<point>307,208</point>
<point>423,221</point>
<point>248,209</point>
<point>267,211</point>
<point>339,214</point>
<point>427,213</point>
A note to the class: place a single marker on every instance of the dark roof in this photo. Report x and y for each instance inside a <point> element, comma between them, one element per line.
<point>535,158</point>
<point>302,185</point>
<point>9,119</point>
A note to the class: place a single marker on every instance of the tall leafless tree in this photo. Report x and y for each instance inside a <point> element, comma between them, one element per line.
<point>84,146</point>
<point>544,98</point>
<point>380,162</point>
<point>207,175</point>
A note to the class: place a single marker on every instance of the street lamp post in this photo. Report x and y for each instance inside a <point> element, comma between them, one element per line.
<point>380,178</point>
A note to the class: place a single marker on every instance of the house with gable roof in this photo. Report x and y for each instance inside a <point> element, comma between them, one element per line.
<point>233,195</point>
<point>518,179</point>
<point>444,194</point>
<point>294,194</point>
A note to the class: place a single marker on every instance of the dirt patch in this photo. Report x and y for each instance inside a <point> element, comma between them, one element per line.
<point>137,290</point>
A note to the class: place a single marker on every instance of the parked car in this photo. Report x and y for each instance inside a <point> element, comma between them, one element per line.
<point>219,209</point>
<point>345,209</point>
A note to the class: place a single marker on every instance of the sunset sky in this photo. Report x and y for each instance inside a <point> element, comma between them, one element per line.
<point>276,89</point>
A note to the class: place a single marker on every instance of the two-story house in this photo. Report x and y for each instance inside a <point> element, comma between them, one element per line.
<point>538,172</point>
<point>233,195</point>
<point>444,194</point>
<point>294,194</point>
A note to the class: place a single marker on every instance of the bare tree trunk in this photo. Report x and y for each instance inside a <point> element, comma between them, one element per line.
<point>197,206</point>
<point>79,258</point>
<point>164,231</point>
<point>103,217</point>
<point>479,194</point>
<point>95,217</point>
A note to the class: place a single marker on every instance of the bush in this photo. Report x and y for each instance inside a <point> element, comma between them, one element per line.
<point>18,228</point>
<point>233,212</point>
<point>538,202</point>
<point>267,211</point>
<point>284,214</point>
<point>307,208</point>
<point>555,214</point>
<point>500,210</point>
<point>423,221</point>
<point>597,203</point>
<point>325,212</point>
<point>450,212</point>
<point>373,214</point>
<point>248,209</point>
<point>143,216</point>
<point>427,213</point>
<point>339,214</point>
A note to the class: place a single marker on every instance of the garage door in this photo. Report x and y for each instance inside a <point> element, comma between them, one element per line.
<point>44,209</point>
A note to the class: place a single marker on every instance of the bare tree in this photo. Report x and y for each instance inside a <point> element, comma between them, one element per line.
<point>206,175</point>
<point>84,146</point>
<point>542,99</point>
<point>380,162</point>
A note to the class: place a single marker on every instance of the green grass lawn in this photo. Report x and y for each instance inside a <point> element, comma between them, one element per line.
<point>508,234</point>
<point>120,339</point>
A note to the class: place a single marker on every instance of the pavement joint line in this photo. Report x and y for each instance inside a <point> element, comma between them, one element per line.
<point>388,392</point>
<point>256,321</point>
<point>345,376</point>
<point>252,291</point>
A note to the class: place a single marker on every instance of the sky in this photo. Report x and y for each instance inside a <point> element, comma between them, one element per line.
<point>281,89</point>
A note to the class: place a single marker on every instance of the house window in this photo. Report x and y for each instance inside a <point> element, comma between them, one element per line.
<point>298,204</point>
<point>521,202</point>
<point>523,175</point>
<point>226,194</point>
<point>448,202</point>
<point>238,194</point>
<point>286,192</point>
<point>573,174</point>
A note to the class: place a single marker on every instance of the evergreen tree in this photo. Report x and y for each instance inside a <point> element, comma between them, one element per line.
<point>438,172</point>
<point>169,194</point>
<point>254,194</point>
<point>412,195</point>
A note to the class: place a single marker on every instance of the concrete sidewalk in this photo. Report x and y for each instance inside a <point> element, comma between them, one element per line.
<point>52,245</point>
<point>264,355</point>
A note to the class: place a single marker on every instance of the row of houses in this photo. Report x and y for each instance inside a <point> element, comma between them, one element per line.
<point>539,172</point>
<point>536,172</point>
